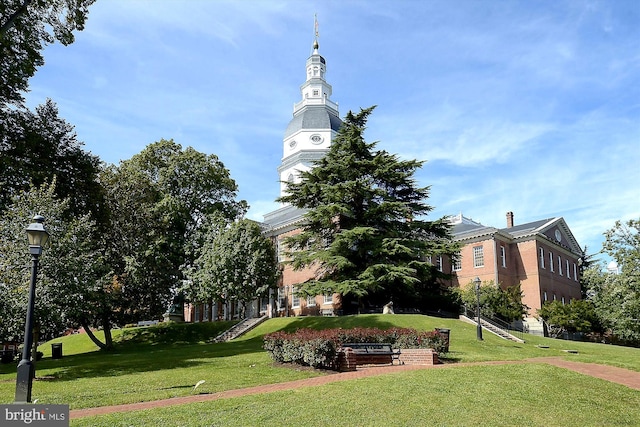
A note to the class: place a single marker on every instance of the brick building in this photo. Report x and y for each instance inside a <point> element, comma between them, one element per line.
<point>543,256</point>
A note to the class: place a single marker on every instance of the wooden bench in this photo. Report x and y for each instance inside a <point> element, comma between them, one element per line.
<point>373,353</point>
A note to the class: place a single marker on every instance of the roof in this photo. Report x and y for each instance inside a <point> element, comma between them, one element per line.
<point>284,217</point>
<point>523,229</point>
<point>313,117</point>
<point>536,229</point>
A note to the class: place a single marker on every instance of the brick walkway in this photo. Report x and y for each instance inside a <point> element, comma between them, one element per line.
<point>618,375</point>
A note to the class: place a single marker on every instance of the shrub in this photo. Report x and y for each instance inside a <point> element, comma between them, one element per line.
<point>320,348</point>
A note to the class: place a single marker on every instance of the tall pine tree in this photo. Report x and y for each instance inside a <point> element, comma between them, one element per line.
<point>365,231</point>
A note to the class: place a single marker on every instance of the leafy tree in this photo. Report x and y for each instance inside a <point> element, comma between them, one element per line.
<point>69,267</point>
<point>592,280</point>
<point>617,300</point>
<point>158,200</point>
<point>235,263</point>
<point>577,316</point>
<point>495,301</point>
<point>38,147</point>
<point>364,231</point>
<point>26,27</point>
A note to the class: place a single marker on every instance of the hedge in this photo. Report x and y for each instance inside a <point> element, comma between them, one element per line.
<point>319,348</point>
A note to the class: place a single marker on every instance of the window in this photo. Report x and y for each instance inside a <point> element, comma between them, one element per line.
<point>311,301</point>
<point>295,299</point>
<point>559,265</point>
<point>327,299</point>
<point>197,314</point>
<point>478,256</point>
<point>551,261</point>
<point>575,272</point>
<point>207,309</point>
<point>280,248</point>
<point>503,256</point>
<point>439,263</point>
<point>541,252</point>
<point>457,263</point>
<point>544,296</point>
<point>282,295</point>
<point>562,299</point>
<point>316,92</point>
<point>567,269</point>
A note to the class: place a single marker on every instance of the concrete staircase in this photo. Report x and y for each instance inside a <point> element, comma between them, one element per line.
<point>240,328</point>
<point>494,329</point>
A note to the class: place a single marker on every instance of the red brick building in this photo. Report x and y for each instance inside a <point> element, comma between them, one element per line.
<point>543,256</point>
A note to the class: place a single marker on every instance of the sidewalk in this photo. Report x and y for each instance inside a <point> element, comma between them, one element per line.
<point>609,373</point>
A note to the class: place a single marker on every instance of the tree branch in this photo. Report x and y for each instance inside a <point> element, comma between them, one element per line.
<point>21,11</point>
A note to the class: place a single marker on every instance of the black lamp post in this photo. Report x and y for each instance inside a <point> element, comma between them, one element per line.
<point>38,237</point>
<point>477,282</point>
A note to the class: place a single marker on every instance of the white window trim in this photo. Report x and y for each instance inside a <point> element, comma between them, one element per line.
<point>311,301</point>
<point>551,261</point>
<point>327,299</point>
<point>559,265</point>
<point>503,255</point>
<point>294,298</point>
<point>541,257</point>
<point>478,256</point>
<point>456,264</point>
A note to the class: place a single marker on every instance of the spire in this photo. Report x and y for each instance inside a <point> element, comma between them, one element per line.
<point>315,27</point>
<point>315,120</point>
<point>317,34</point>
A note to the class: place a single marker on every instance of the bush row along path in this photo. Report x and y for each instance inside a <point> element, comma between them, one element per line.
<point>609,373</point>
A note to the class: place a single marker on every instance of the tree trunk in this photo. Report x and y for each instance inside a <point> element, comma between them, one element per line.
<point>108,339</point>
<point>93,338</point>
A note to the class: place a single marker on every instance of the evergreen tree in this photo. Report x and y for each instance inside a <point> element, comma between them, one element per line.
<point>364,231</point>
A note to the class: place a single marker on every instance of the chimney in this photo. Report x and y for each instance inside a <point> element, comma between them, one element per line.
<point>509,219</point>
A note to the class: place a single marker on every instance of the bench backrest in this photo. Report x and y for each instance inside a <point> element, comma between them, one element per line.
<point>369,347</point>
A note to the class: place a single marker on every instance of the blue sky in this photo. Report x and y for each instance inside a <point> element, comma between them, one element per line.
<point>524,106</point>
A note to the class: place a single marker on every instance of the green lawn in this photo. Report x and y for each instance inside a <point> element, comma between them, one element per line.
<point>167,361</point>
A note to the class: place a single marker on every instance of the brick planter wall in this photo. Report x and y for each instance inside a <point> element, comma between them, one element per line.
<point>418,356</point>
<point>347,360</point>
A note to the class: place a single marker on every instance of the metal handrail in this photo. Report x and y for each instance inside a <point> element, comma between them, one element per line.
<point>498,323</point>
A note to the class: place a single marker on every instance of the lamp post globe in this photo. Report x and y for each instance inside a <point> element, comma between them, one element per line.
<point>38,237</point>
<point>477,283</point>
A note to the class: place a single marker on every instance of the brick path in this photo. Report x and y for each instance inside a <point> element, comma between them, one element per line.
<point>610,373</point>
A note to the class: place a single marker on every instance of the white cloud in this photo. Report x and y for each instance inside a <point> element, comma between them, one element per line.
<point>516,106</point>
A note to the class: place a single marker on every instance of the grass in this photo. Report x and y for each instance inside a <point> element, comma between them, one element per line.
<point>508,395</point>
<point>168,360</point>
